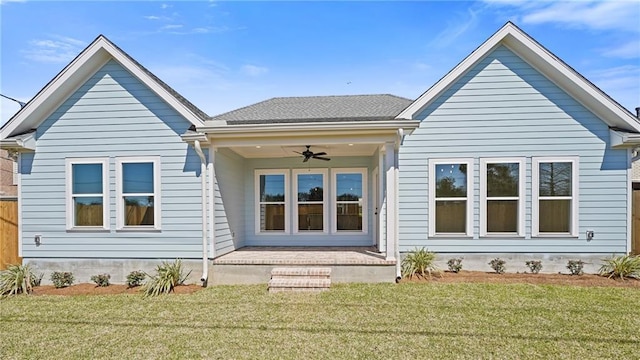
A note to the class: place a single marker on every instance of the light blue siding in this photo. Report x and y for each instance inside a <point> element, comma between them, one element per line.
<point>328,239</point>
<point>505,108</point>
<point>111,115</point>
<point>229,202</point>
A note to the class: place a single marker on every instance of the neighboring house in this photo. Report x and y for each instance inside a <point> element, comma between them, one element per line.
<point>8,175</point>
<point>511,152</point>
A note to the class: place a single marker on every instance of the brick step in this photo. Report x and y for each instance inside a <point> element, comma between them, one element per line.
<point>300,279</point>
<point>301,271</point>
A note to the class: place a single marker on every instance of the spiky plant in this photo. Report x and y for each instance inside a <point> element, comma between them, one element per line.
<point>419,263</point>
<point>168,275</point>
<point>18,279</point>
<point>622,267</point>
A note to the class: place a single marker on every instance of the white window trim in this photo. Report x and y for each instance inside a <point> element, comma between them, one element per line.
<point>157,207</point>
<point>334,202</point>
<point>432,195</point>
<point>256,182</point>
<point>483,194</point>
<point>69,162</point>
<point>535,196</point>
<point>325,203</point>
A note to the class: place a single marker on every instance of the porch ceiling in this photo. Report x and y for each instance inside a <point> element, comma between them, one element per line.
<point>278,151</point>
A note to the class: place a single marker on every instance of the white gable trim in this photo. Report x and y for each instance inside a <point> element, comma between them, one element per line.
<point>542,60</point>
<point>74,75</point>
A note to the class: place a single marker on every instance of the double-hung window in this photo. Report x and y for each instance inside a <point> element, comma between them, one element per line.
<point>502,196</point>
<point>350,194</point>
<point>555,196</point>
<point>310,210</point>
<point>138,193</point>
<point>271,201</point>
<point>450,197</point>
<point>87,193</point>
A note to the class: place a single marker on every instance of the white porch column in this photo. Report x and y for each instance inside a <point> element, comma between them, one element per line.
<point>211,174</point>
<point>391,199</point>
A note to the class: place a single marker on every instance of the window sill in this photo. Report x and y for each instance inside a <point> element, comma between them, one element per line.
<point>551,235</point>
<point>138,229</point>
<point>502,236</point>
<point>451,236</point>
<point>348,233</point>
<point>88,229</point>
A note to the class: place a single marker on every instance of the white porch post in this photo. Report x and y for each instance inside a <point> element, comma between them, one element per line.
<point>391,199</point>
<point>211,174</point>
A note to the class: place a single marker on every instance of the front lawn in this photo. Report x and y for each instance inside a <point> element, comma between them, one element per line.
<point>386,321</point>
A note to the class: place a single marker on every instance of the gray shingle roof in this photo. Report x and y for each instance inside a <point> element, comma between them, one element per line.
<point>318,109</point>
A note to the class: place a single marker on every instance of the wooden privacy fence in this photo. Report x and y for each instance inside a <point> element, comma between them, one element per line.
<point>8,233</point>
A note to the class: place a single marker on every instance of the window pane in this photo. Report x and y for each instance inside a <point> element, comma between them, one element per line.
<point>138,210</point>
<point>502,179</point>
<point>349,216</point>
<point>555,179</point>
<point>87,178</point>
<point>451,180</point>
<point>348,187</point>
<point>137,178</point>
<point>310,187</point>
<point>88,211</point>
<point>272,187</point>
<point>555,216</point>
<point>502,216</point>
<point>310,217</point>
<point>272,217</point>
<point>451,216</point>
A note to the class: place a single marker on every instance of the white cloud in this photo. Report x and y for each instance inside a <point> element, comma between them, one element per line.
<point>253,70</point>
<point>621,83</point>
<point>455,28</point>
<point>630,50</point>
<point>595,15</point>
<point>165,6</point>
<point>171,27</point>
<point>56,49</point>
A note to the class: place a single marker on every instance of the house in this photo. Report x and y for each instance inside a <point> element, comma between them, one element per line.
<point>512,153</point>
<point>8,175</point>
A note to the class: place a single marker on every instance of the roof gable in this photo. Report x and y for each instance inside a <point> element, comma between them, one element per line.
<point>318,109</point>
<point>541,59</point>
<point>79,70</point>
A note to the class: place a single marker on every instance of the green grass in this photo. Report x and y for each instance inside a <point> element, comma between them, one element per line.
<point>384,321</point>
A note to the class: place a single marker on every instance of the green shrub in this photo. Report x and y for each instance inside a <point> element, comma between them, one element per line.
<point>101,279</point>
<point>575,267</point>
<point>167,276</point>
<point>534,265</point>
<point>135,278</point>
<point>455,265</point>
<point>624,266</point>
<point>498,265</point>
<point>419,262</point>
<point>18,279</point>
<point>62,279</point>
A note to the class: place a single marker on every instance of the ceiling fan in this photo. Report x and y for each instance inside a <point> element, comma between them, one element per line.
<point>308,154</point>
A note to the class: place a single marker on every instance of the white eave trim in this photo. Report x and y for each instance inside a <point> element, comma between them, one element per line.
<point>355,126</point>
<point>74,75</point>
<point>544,61</point>
<point>21,142</point>
<point>620,139</point>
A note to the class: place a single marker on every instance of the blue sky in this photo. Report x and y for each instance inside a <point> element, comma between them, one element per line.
<point>224,55</point>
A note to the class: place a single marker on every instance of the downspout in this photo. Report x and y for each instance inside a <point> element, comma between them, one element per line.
<point>397,205</point>
<point>203,178</point>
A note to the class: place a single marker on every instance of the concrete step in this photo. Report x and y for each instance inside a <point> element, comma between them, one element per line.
<point>300,279</point>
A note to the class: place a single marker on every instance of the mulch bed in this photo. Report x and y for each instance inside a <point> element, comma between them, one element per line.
<point>92,289</point>
<point>521,278</point>
<point>444,277</point>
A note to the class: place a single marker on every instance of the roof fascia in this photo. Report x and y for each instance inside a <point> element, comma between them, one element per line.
<point>622,140</point>
<point>542,60</point>
<point>25,142</point>
<point>96,55</point>
<point>310,128</point>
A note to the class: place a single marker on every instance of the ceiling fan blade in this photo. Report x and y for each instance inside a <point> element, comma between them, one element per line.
<point>321,158</point>
<point>297,152</point>
<point>305,159</point>
<point>320,154</point>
